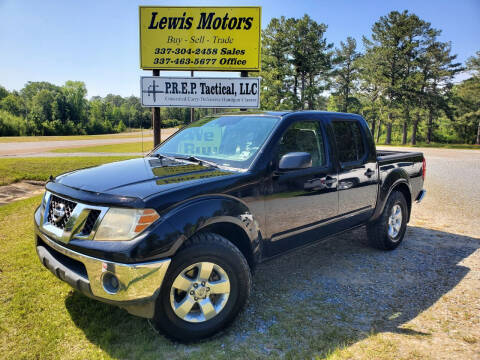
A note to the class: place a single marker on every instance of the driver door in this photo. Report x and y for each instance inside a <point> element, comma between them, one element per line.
<point>304,199</point>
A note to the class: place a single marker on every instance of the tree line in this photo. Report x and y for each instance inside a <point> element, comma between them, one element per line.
<point>402,82</point>
<point>42,108</point>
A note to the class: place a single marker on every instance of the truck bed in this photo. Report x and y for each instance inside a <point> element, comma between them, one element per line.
<point>409,161</point>
<point>388,156</point>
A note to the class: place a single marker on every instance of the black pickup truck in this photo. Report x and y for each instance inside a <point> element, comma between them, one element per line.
<point>175,236</point>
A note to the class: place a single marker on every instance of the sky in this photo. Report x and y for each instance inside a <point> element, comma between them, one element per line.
<point>98,42</point>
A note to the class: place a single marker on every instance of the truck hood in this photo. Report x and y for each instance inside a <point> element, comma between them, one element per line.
<point>141,177</point>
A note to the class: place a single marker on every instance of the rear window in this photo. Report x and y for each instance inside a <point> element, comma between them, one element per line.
<point>349,139</point>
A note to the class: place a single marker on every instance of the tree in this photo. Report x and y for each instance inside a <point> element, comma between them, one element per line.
<point>296,63</point>
<point>41,111</point>
<point>75,93</point>
<point>346,72</point>
<point>311,60</point>
<point>467,102</point>
<point>392,46</point>
<point>14,104</point>
<point>473,64</point>
<point>3,92</point>
<point>276,71</point>
<point>439,81</point>
<point>370,91</point>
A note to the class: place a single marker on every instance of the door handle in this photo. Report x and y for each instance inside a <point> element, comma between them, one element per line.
<point>328,180</point>
<point>369,172</point>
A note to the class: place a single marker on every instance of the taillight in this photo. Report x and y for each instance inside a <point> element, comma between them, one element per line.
<point>424,169</point>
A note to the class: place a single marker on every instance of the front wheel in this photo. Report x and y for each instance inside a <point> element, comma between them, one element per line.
<point>207,285</point>
<point>388,231</point>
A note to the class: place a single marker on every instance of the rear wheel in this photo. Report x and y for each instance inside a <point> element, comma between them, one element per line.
<point>388,231</point>
<point>207,284</point>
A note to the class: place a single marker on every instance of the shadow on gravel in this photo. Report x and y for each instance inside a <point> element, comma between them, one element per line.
<point>308,302</point>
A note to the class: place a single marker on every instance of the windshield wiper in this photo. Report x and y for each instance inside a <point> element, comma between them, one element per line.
<point>198,160</point>
<point>161,156</point>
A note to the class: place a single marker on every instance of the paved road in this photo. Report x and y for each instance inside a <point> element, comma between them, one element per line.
<point>34,148</point>
<point>453,191</point>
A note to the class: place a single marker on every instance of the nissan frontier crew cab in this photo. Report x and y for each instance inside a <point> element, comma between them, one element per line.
<point>175,236</point>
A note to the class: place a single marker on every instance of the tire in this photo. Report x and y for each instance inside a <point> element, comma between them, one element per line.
<point>229,267</point>
<point>381,234</point>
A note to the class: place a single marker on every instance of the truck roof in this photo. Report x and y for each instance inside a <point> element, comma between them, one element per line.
<point>286,112</point>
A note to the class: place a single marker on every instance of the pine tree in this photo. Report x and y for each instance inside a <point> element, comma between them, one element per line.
<point>346,72</point>
<point>393,44</point>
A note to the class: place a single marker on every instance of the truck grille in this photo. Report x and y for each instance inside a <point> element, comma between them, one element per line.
<point>90,222</point>
<point>65,205</point>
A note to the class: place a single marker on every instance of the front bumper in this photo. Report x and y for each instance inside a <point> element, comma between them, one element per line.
<point>137,287</point>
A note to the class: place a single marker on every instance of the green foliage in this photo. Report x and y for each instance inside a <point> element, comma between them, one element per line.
<point>41,108</point>
<point>296,61</point>
<point>11,124</point>
<point>3,92</point>
<point>402,84</point>
<point>345,75</point>
<point>13,103</point>
<point>466,100</point>
<point>169,123</point>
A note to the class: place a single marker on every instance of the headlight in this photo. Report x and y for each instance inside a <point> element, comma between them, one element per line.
<point>125,224</point>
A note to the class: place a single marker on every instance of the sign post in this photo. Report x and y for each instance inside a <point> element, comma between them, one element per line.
<point>192,110</point>
<point>156,120</point>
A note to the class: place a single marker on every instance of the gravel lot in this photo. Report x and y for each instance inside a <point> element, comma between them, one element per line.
<point>452,202</point>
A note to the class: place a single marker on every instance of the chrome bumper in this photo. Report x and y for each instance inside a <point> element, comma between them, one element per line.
<point>138,284</point>
<point>421,195</point>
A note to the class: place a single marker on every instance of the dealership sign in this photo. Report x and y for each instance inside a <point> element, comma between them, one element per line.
<point>200,92</point>
<point>200,38</point>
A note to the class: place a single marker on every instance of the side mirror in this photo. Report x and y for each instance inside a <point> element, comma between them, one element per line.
<point>295,160</point>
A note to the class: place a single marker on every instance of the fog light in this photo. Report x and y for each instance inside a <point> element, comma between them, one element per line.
<point>110,283</point>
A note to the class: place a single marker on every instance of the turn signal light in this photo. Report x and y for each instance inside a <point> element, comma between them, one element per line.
<point>148,217</point>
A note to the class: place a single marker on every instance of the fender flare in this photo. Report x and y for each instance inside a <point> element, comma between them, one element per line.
<point>211,212</point>
<point>397,177</point>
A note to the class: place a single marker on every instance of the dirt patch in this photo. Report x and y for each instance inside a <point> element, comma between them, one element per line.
<point>21,190</point>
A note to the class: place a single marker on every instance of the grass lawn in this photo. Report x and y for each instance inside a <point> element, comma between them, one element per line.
<point>438,145</point>
<point>113,148</point>
<point>16,169</point>
<point>6,139</point>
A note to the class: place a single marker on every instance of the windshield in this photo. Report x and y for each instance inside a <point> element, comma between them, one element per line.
<point>231,140</point>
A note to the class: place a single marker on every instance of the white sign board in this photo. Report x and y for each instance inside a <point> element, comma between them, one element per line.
<point>199,92</point>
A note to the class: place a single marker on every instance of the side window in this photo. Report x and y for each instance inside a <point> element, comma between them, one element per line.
<point>304,136</point>
<point>349,139</point>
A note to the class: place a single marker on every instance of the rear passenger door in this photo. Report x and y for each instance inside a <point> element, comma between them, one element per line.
<point>357,177</point>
